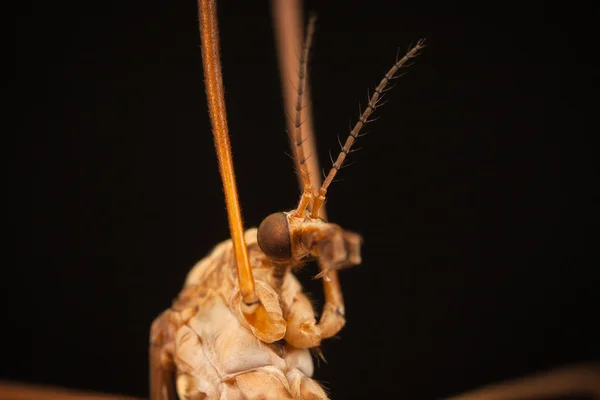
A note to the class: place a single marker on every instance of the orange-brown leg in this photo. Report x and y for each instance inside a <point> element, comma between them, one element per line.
<point>287,20</point>
<point>333,317</point>
<point>335,249</point>
<point>254,311</point>
<point>577,381</point>
<point>266,322</point>
<point>302,328</point>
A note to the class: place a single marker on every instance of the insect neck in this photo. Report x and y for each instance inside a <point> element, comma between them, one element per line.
<point>279,272</point>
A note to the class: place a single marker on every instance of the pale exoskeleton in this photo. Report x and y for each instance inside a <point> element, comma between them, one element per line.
<point>242,327</point>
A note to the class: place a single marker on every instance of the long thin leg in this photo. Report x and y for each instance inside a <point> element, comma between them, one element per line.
<point>162,367</point>
<point>254,312</point>
<point>333,316</point>
<point>287,22</point>
<point>303,332</point>
<point>209,32</point>
<point>575,380</point>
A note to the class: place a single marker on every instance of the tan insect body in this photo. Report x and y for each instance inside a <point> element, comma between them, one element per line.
<point>208,342</point>
<point>215,352</point>
<point>242,327</point>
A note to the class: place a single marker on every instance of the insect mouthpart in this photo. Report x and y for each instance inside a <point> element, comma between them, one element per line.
<point>274,237</point>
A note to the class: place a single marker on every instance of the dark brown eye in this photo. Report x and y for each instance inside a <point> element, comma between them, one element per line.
<point>274,237</point>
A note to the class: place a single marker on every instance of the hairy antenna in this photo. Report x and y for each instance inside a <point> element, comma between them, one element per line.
<point>307,194</point>
<point>362,121</point>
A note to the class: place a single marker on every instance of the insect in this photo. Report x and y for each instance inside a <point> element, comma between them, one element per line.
<point>242,327</point>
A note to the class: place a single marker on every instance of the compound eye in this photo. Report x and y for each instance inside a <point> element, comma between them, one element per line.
<point>274,237</point>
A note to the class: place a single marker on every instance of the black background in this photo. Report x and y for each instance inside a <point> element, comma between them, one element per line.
<point>473,190</point>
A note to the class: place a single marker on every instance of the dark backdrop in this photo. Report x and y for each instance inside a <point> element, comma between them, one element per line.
<point>473,190</point>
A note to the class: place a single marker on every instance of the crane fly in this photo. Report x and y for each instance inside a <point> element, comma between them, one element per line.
<point>242,328</point>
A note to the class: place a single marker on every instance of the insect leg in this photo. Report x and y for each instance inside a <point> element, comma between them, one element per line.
<point>209,32</point>
<point>162,367</point>
<point>334,249</point>
<point>299,374</point>
<point>267,323</point>
<point>333,317</point>
<point>287,22</point>
<point>570,381</point>
<point>253,310</point>
<point>302,330</point>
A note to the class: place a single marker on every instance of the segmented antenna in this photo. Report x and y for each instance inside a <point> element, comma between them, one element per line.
<point>362,121</point>
<point>307,194</point>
